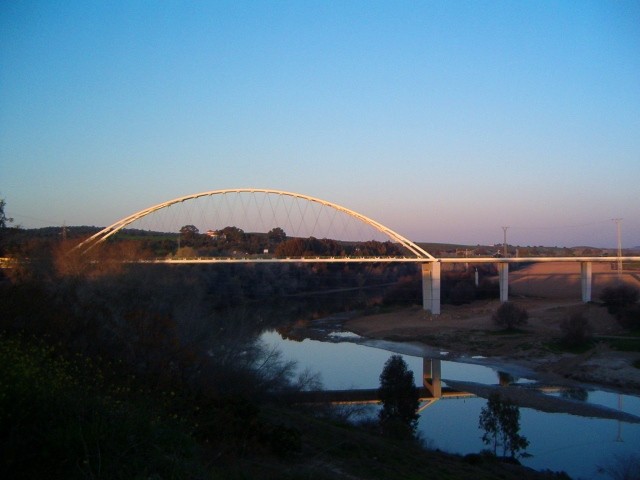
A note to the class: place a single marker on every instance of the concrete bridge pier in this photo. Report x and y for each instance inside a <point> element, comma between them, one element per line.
<point>431,287</point>
<point>503,279</point>
<point>432,376</point>
<point>585,280</point>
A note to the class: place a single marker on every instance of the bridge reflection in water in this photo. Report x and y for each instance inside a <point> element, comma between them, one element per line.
<point>432,390</point>
<point>533,395</point>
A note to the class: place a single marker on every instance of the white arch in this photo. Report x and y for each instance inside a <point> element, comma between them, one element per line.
<point>105,233</point>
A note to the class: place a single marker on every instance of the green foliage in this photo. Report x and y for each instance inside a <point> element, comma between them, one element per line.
<point>576,331</point>
<point>189,231</point>
<point>500,420</point>
<point>59,420</point>
<point>399,397</point>
<point>276,235</point>
<point>509,316</point>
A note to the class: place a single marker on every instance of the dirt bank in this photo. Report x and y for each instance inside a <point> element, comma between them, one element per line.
<point>465,331</point>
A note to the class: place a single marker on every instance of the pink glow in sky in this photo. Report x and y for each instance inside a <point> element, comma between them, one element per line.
<point>442,120</point>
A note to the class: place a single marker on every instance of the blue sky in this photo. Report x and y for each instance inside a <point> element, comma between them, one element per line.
<point>442,120</point>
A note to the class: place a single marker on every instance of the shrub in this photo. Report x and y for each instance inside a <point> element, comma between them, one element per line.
<point>576,331</point>
<point>629,317</point>
<point>619,297</point>
<point>510,316</point>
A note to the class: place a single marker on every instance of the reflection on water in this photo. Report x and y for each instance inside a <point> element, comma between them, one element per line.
<point>558,441</point>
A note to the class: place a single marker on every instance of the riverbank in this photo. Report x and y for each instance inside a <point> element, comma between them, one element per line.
<point>468,331</point>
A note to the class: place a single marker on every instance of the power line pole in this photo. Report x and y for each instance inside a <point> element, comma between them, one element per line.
<point>619,232</point>
<point>504,244</point>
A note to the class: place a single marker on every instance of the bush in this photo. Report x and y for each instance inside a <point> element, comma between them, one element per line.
<point>576,331</point>
<point>510,316</point>
<point>630,317</point>
<point>618,298</point>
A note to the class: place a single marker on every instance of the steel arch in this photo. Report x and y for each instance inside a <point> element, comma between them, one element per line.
<point>105,233</point>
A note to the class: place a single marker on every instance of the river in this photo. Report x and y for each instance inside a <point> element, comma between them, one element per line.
<point>578,445</point>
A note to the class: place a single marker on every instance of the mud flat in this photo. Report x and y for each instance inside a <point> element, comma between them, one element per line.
<point>468,331</point>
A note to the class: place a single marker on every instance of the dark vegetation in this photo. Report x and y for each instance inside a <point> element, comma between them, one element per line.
<point>399,397</point>
<point>622,467</point>
<point>576,332</point>
<point>457,284</point>
<point>124,371</point>
<point>622,302</point>
<point>509,316</point>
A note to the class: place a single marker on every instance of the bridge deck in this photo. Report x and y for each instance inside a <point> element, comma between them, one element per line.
<point>364,395</point>
<point>391,260</point>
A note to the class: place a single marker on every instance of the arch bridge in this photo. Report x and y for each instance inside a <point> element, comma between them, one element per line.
<point>303,216</point>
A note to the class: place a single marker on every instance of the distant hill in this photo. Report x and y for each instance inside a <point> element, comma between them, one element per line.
<point>435,248</point>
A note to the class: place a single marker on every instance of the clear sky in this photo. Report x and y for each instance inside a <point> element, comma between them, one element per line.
<point>442,120</point>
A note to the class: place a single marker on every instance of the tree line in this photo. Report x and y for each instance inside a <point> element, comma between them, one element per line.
<point>232,241</point>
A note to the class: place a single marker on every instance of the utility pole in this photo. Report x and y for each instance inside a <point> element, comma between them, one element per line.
<point>619,232</point>
<point>504,244</point>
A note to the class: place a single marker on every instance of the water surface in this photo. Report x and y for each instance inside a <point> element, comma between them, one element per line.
<point>558,441</point>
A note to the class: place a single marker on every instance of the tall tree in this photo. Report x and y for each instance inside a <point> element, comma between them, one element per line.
<point>276,235</point>
<point>399,397</point>
<point>189,231</point>
<point>189,236</point>
<point>4,220</point>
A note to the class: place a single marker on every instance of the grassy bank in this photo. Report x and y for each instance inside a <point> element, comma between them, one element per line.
<point>77,418</point>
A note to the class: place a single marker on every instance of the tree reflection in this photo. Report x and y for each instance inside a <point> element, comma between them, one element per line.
<point>500,420</point>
